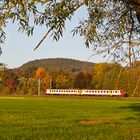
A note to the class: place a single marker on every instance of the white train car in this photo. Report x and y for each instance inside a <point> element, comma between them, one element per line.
<point>85,92</point>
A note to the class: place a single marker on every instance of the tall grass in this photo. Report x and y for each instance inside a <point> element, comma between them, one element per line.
<point>58,118</point>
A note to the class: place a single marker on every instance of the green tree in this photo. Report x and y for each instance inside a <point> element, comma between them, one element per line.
<point>32,86</point>
<point>23,89</point>
<point>111,26</point>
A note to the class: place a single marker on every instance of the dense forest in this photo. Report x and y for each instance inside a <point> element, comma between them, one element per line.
<point>68,73</point>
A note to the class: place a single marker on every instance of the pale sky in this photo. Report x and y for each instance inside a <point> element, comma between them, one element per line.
<point>19,49</point>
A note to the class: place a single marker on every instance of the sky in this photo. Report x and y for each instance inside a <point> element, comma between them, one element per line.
<point>19,48</point>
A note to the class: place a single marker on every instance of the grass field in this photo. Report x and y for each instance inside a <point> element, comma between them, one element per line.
<point>69,118</point>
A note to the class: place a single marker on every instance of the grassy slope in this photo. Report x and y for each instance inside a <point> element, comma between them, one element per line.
<point>58,118</point>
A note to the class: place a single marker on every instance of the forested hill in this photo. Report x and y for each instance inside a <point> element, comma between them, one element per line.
<point>59,63</point>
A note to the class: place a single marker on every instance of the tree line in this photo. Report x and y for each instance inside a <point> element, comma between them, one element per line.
<point>100,76</point>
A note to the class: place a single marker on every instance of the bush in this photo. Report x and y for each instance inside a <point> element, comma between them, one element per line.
<point>6,91</point>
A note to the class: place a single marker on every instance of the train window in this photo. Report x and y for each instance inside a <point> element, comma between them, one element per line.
<point>116,91</point>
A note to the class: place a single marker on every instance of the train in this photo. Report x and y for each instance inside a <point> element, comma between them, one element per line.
<point>85,92</point>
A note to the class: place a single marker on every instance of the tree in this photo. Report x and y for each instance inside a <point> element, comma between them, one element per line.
<point>40,72</point>
<point>43,79</point>
<point>9,81</point>
<point>99,71</point>
<point>111,76</point>
<point>111,26</point>
<point>32,86</point>
<point>3,66</point>
<point>23,88</point>
<point>63,81</point>
<point>47,81</point>
<point>82,80</point>
<point>130,82</point>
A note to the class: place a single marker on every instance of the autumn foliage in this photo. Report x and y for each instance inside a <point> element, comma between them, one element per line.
<point>100,76</point>
<point>40,73</point>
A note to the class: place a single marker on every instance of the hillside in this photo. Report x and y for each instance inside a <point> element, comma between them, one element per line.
<point>59,63</point>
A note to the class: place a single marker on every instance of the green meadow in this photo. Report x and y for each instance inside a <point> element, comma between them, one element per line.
<point>69,118</point>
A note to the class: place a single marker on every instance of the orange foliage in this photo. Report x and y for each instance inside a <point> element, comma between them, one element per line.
<point>46,80</point>
<point>40,72</point>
